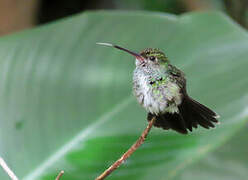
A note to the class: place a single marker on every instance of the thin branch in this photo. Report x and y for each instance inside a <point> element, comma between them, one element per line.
<point>60,175</point>
<point>130,151</point>
<point>7,169</point>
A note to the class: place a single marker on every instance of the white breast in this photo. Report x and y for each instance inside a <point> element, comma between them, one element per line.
<point>153,103</point>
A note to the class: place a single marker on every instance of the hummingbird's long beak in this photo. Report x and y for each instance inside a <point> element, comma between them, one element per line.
<point>136,55</point>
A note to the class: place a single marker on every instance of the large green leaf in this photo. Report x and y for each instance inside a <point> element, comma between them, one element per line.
<point>66,103</point>
<point>227,163</point>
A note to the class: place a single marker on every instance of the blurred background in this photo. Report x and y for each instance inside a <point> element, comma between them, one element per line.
<point>16,15</point>
<point>47,88</point>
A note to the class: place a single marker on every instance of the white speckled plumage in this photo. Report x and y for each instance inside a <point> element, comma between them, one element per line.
<point>161,89</point>
<point>156,99</point>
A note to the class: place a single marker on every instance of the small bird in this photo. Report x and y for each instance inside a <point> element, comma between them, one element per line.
<point>160,88</point>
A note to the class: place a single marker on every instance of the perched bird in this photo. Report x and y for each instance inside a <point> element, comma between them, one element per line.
<point>160,88</point>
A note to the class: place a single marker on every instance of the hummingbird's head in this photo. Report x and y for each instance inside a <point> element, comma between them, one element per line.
<point>152,57</point>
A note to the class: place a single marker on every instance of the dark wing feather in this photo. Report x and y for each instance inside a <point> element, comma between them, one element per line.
<point>191,113</point>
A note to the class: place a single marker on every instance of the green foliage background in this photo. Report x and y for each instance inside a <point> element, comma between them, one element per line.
<point>66,103</point>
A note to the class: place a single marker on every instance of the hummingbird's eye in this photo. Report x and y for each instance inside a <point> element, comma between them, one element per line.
<point>152,58</point>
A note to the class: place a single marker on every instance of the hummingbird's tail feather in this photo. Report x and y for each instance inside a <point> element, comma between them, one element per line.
<point>196,113</point>
<point>169,121</point>
<point>191,113</point>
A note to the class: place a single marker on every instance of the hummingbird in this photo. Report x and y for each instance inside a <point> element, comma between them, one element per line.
<point>160,88</point>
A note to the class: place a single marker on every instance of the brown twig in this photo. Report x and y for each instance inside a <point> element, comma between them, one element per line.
<point>60,175</point>
<point>11,174</point>
<point>130,151</point>
<point>7,169</point>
